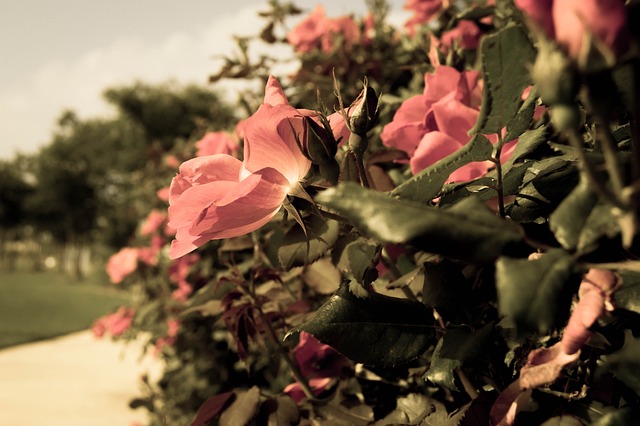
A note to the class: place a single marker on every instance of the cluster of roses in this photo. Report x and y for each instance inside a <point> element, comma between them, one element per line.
<point>218,196</point>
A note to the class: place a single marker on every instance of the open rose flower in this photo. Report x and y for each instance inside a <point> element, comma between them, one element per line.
<point>218,196</point>
<point>122,264</point>
<point>317,31</point>
<point>423,12</point>
<point>430,126</point>
<point>320,364</point>
<point>216,143</point>
<point>569,22</point>
<point>115,324</point>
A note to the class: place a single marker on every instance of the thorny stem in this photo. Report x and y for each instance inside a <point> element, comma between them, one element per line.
<point>286,356</point>
<point>635,123</point>
<point>362,172</point>
<point>496,160</point>
<point>589,172</point>
<point>610,157</point>
<point>395,273</point>
<point>469,388</point>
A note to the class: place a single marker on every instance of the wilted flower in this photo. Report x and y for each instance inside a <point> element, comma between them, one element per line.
<point>218,196</point>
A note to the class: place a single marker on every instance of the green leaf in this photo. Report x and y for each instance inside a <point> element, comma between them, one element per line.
<point>377,330</point>
<point>279,411</point>
<point>523,118</point>
<point>625,364</point>
<point>628,295</point>
<point>600,223</point>
<point>243,409</point>
<point>296,250</point>
<point>569,219</point>
<point>358,259</point>
<point>528,142</point>
<point>457,347</point>
<point>536,294</point>
<point>545,184</point>
<point>467,230</point>
<point>506,56</point>
<point>425,185</point>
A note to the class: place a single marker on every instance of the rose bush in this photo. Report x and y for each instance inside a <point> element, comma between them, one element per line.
<point>387,292</point>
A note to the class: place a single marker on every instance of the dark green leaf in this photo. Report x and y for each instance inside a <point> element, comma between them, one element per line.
<point>425,185</point>
<point>296,250</point>
<point>628,295</point>
<point>600,223</point>
<point>545,184</point>
<point>467,230</point>
<point>357,259</point>
<point>377,330</point>
<point>243,409</point>
<point>536,294</point>
<point>446,290</point>
<point>279,411</point>
<point>457,348</point>
<point>528,142</point>
<point>569,219</point>
<point>620,417</point>
<point>523,118</point>
<point>212,407</point>
<point>625,364</point>
<point>506,56</point>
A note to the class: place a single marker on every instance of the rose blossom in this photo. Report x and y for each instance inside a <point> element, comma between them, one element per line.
<point>423,12</point>
<point>216,143</point>
<point>115,324</point>
<point>318,31</point>
<point>218,196</point>
<point>122,264</point>
<point>318,363</point>
<point>154,220</point>
<point>430,126</point>
<point>570,21</point>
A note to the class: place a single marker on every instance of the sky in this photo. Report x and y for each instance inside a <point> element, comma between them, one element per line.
<point>62,54</point>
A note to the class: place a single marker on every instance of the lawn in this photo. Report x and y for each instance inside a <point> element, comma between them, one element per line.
<point>36,306</point>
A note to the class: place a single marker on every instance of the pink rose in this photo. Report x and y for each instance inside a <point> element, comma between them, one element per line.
<point>465,35</point>
<point>115,324</point>
<point>430,126</point>
<point>570,21</point>
<point>317,31</point>
<point>318,363</point>
<point>122,264</point>
<point>154,220</point>
<point>423,12</point>
<point>216,143</point>
<point>219,196</point>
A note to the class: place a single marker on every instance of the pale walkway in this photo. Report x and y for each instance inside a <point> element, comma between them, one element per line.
<point>75,380</point>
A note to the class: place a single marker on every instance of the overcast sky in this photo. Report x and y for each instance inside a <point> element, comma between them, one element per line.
<point>61,54</point>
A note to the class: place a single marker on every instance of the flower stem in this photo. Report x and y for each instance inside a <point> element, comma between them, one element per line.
<point>496,160</point>
<point>284,353</point>
<point>589,171</point>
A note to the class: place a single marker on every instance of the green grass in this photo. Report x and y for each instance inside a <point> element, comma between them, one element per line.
<point>36,306</point>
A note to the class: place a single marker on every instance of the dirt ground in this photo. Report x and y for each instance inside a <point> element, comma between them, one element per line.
<point>75,380</point>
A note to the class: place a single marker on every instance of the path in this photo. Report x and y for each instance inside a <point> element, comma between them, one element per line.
<point>75,380</point>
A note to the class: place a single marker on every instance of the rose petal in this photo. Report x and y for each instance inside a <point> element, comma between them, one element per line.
<point>270,142</point>
<point>273,93</point>
<point>433,147</point>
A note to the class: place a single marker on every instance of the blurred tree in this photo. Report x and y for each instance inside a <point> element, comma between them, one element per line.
<point>14,192</point>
